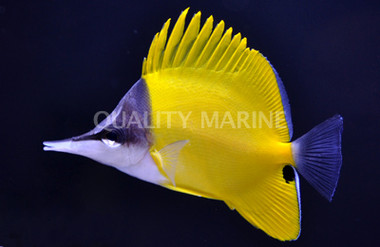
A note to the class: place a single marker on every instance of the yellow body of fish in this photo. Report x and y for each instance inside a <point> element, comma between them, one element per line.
<point>200,73</point>
<point>217,124</point>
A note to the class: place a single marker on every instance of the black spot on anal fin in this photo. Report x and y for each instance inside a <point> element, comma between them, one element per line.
<point>288,173</point>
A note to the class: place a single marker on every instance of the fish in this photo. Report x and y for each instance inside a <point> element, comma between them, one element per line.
<point>210,117</point>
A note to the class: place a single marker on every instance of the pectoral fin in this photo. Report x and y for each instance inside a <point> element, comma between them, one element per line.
<point>169,158</point>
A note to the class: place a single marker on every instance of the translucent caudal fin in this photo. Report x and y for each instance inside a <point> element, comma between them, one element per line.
<point>318,156</point>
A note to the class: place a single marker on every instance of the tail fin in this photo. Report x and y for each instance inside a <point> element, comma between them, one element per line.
<point>318,156</point>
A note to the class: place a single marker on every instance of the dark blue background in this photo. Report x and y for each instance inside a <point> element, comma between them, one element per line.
<point>62,61</point>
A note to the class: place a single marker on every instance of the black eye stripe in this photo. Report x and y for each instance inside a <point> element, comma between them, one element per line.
<point>117,135</point>
<point>120,135</point>
<point>112,136</point>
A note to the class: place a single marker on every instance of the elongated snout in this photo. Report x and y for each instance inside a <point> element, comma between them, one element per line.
<point>58,146</point>
<point>70,145</point>
<point>75,145</point>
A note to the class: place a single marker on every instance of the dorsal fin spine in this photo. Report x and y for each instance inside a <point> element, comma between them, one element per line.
<point>241,60</point>
<point>249,59</point>
<point>231,63</point>
<point>229,52</point>
<point>143,71</point>
<point>210,45</point>
<point>160,47</point>
<point>149,60</point>
<point>174,39</point>
<point>199,43</point>
<point>188,40</point>
<point>220,49</point>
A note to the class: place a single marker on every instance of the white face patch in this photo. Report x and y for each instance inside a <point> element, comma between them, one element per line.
<point>110,143</point>
<point>134,160</point>
<point>115,155</point>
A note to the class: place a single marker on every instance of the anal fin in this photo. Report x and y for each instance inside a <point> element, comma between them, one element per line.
<point>273,205</point>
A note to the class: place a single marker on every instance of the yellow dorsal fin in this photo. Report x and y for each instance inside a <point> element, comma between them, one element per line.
<point>192,48</point>
<point>214,50</point>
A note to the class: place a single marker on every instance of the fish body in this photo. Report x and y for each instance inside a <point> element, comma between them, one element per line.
<point>220,147</point>
<point>210,117</point>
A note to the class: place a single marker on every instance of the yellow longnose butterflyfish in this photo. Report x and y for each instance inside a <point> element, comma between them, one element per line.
<point>210,117</point>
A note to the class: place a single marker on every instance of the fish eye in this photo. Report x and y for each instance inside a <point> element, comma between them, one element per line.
<point>113,138</point>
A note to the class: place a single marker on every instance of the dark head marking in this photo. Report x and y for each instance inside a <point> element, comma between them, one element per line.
<point>288,173</point>
<point>132,123</point>
<point>123,135</point>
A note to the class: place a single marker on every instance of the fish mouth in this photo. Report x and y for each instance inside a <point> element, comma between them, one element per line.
<point>58,146</point>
